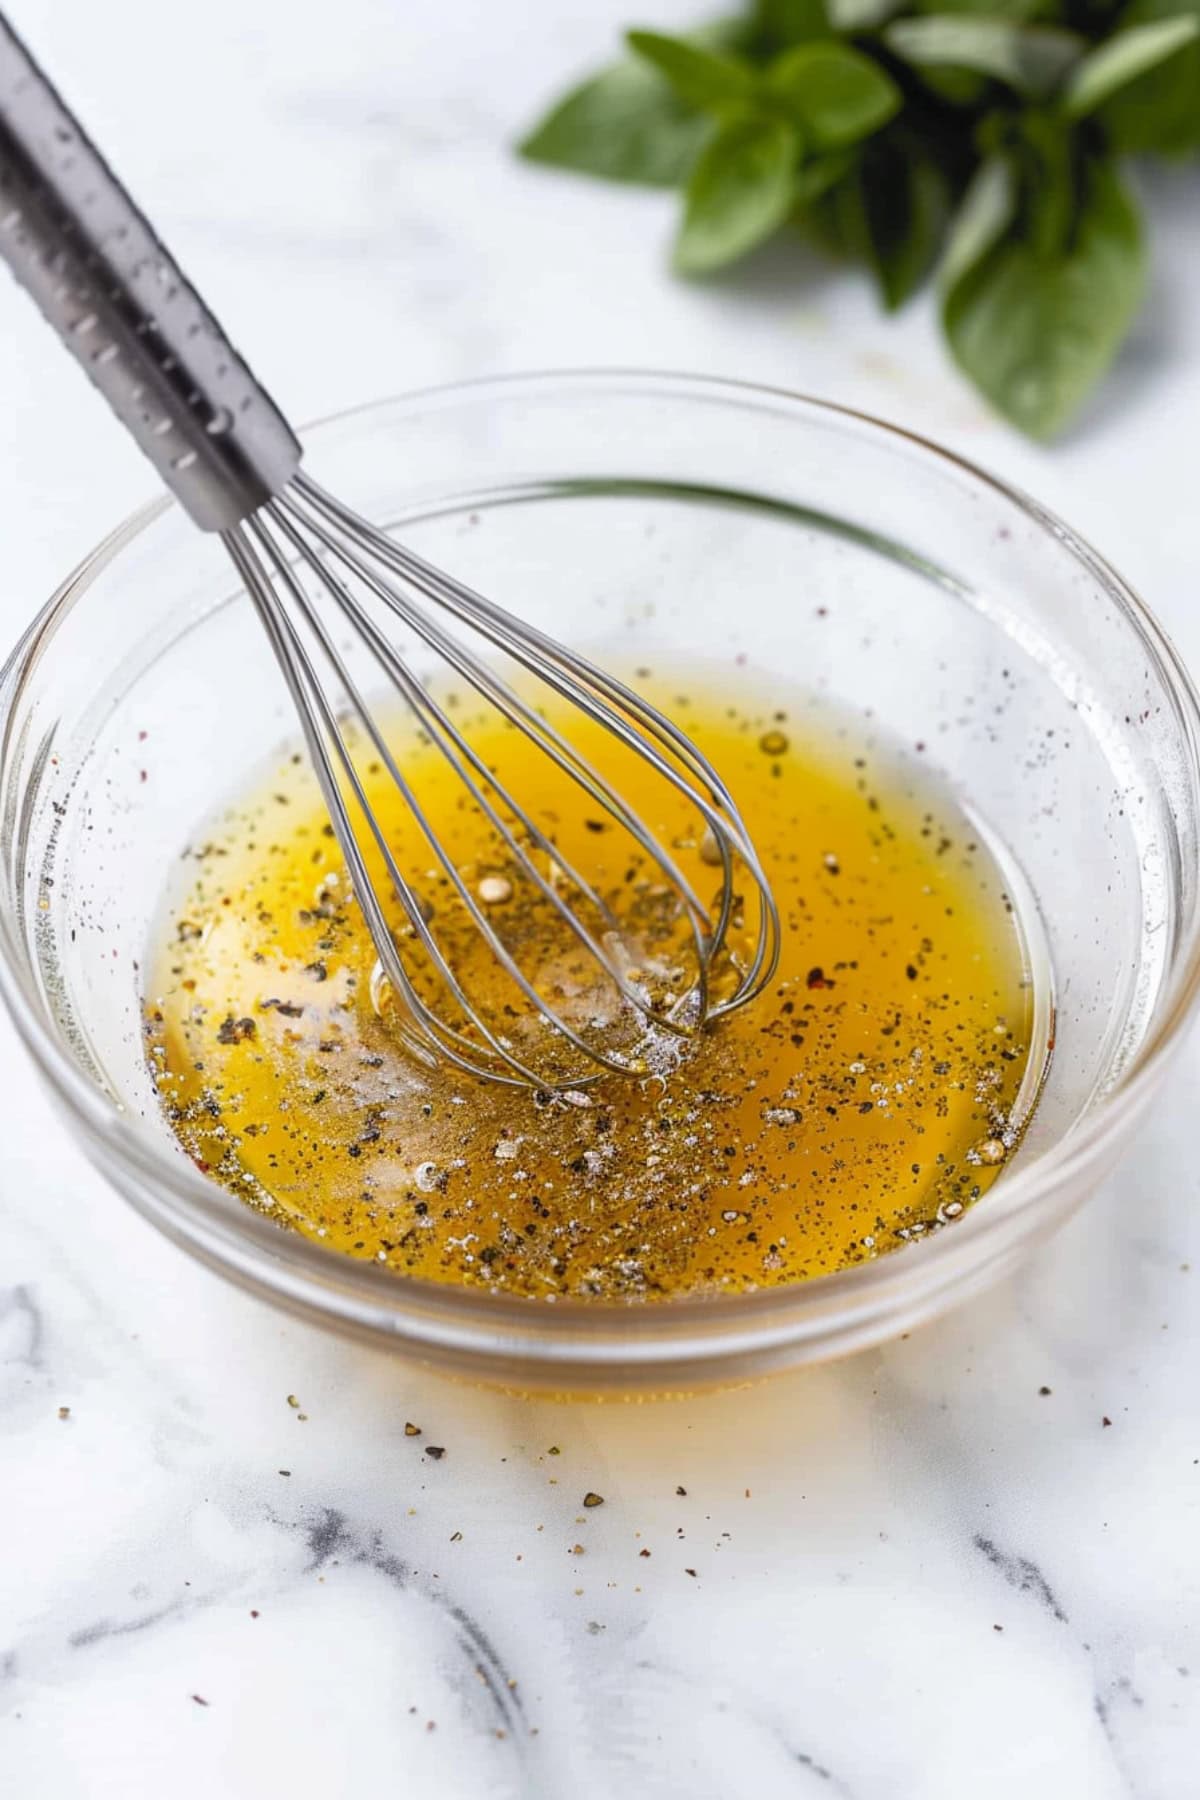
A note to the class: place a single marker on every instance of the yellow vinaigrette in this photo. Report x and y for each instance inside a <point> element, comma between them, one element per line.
<point>870,1095</point>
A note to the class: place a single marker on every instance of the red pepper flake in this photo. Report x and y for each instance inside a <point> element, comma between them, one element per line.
<point>689,1571</point>
<point>816,978</point>
<point>200,1700</point>
<point>643,1553</point>
<point>254,1612</point>
<point>1106,1420</point>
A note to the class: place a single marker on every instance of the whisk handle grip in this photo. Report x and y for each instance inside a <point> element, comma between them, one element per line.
<point>122,306</point>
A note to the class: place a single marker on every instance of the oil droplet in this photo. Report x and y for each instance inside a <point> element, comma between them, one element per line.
<point>380,988</point>
<point>710,850</point>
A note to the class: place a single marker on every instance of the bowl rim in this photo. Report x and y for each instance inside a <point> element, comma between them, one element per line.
<point>301,1272</point>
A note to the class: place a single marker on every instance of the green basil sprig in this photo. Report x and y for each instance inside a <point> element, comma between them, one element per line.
<point>976,138</point>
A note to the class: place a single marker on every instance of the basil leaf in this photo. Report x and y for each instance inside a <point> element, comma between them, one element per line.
<point>784,22</point>
<point>988,208</point>
<point>850,16</point>
<point>699,77</point>
<point>624,125</point>
<point>891,213</point>
<point>819,173</point>
<point>1033,333</point>
<point>960,87</point>
<point>1125,56</point>
<point>1160,111</point>
<point>627,123</point>
<point>837,94</point>
<point>1030,58</point>
<point>1047,152</point>
<point>906,208</point>
<point>1019,12</point>
<point>740,191</point>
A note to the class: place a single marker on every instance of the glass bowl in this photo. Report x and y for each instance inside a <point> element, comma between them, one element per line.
<point>647,515</point>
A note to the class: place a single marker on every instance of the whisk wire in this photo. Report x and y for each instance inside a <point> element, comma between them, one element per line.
<point>575,679</point>
<point>491,686</point>
<point>306,536</point>
<point>306,689</point>
<point>314,711</point>
<point>457,751</point>
<point>450,1041</point>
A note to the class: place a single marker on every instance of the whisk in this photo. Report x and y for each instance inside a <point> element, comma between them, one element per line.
<point>312,566</point>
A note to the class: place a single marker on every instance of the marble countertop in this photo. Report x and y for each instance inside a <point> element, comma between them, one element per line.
<point>963,1564</point>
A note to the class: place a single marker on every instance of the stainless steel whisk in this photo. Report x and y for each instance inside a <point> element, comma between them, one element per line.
<point>121,305</point>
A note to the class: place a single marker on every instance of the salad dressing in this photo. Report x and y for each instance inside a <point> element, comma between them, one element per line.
<point>869,1096</point>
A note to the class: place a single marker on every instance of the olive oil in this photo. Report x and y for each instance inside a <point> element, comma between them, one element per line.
<point>869,1096</point>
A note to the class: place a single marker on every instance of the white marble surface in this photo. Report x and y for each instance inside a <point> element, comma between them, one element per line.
<point>906,1577</point>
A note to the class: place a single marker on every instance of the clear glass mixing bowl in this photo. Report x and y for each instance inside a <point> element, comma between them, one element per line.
<point>643,516</point>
